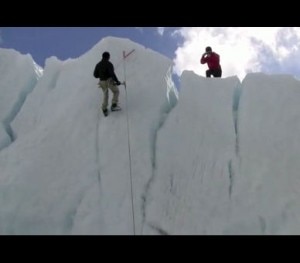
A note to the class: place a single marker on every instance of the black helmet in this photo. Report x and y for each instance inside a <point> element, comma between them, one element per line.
<point>106,55</point>
<point>208,49</point>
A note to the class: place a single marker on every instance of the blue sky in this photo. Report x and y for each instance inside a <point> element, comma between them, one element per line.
<point>270,50</point>
<point>71,42</point>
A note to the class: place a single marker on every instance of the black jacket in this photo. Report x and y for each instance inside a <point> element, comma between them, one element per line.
<point>105,70</point>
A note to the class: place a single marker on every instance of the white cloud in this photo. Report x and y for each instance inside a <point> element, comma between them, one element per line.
<point>241,49</point>
<point>161,30</point>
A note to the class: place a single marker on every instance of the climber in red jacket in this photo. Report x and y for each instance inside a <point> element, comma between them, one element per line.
<point>213,62</point>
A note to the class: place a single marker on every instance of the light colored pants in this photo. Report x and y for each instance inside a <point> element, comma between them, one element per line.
<point>105,85</point>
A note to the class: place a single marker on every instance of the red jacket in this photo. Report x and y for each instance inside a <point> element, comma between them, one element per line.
<point>212,60</point>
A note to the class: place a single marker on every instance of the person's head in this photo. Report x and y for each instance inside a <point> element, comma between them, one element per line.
<point>208,50</point>
<point>106,55</point>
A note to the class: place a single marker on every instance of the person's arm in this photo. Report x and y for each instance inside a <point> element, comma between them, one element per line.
<point>203,59</point>
<point>96,71</point>
<point>112,73</point>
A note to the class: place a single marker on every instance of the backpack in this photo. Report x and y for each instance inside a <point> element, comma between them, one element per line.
<point>96,72</point>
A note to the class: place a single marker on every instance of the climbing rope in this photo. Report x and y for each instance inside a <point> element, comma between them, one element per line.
<point>128,133</point>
